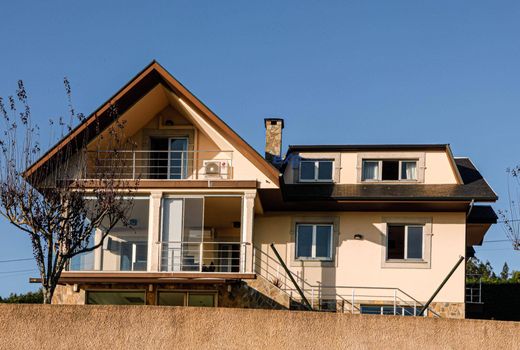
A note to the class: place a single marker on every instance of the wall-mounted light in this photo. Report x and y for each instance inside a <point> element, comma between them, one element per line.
<point>358,236</point>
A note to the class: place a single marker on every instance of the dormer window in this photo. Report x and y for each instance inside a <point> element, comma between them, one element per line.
<point>316,170</point>
<point>389,170</point>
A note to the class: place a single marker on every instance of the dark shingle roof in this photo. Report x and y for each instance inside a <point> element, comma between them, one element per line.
<point>482,214</point>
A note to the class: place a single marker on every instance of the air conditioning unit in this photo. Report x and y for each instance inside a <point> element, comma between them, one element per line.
<point>216,168</point>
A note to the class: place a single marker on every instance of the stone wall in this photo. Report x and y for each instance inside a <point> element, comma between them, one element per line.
<point>253,294</point>
<point>152,327</point>
<point>449,310</point>
<point>273,138</point>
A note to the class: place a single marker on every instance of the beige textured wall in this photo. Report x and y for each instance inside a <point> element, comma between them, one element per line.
<point>243,168</point>
<point>360,262</point>
<point>148,327</point>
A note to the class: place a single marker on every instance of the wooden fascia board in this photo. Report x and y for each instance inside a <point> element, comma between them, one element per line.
<point>81,127</point>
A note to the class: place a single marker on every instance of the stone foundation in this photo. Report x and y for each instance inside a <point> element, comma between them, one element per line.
<point>449,310</point>
<point>65,294</point>
<point>251,294</point>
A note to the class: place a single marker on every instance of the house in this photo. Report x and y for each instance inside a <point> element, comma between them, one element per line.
<point>355,228</point>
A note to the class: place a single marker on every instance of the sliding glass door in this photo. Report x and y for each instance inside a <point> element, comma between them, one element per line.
<point>178,158</point>
<point>182,234</point>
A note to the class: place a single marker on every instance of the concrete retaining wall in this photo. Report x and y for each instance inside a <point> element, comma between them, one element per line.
<point>151,327</point>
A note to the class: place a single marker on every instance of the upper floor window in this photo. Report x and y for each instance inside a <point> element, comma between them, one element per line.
<point>389,170</point>
<point>314,241</point>
<point>405,242</point>
<point>316,170</point>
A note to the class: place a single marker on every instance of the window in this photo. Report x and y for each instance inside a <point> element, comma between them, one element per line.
<point>116,298</point>
<point>389,310</point>
<point>314,241</point>
<point>405,242</point>
<point>389,170</point>
<point>180,298</point>
<point>316,170</point>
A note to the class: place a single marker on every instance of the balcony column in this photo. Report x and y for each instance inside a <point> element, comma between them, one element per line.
<point>154,232</point>
<point>248,204</point>
<point>98,253</point>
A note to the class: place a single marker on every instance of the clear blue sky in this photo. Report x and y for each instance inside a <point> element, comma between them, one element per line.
<point>337,71</point>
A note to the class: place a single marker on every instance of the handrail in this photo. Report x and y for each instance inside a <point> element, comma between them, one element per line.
<point>301,280</point>
<point>195,256</point>
<point>205,242</point>
<point>157,151</point>
<point>310,289</point>
<point>160,164</point>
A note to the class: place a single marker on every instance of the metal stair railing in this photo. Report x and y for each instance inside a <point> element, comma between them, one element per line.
<point>346,297</point>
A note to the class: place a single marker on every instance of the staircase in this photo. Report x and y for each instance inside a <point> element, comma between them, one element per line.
<point>274,282</point>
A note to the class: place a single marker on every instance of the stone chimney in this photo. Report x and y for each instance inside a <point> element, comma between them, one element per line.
<point>273,138</point>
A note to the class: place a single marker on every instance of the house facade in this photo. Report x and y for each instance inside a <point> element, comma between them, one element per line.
<point>346,228</point>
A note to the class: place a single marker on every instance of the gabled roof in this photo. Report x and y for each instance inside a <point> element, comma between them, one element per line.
<point>133,91</point>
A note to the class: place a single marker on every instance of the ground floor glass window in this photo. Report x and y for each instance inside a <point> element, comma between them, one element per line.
<point>187,298</point>
<point>116,298</point>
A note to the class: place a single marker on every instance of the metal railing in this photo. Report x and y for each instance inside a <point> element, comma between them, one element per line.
<point>474,289</point>
<point>158,164</point>
<point>202,256</point>
<point>333,298</point>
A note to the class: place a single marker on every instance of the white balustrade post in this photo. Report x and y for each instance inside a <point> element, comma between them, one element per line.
<point>133,164</point>
<point>254,259</point>
<point>395,302</point>
<point>201,257</point>
<point>243,254</point>
<point>353,300</point>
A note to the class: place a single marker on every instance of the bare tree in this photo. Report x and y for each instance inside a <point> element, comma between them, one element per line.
<point>56,205</point>
<point>511,217</point>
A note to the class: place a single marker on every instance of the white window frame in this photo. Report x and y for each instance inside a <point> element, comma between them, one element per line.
<point>406,226</point>
<point>316,170</point>
<point>313,246</point>
<point>380,170</point>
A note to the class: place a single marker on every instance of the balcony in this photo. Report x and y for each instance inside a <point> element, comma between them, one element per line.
<point>203,256</point>
<point>193,235</point>
<point>161,164</point>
